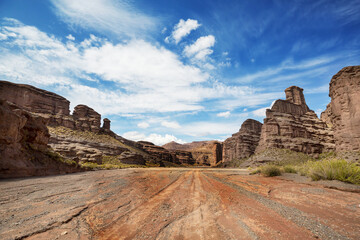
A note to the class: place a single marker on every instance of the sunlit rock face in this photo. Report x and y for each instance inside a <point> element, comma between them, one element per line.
<point>243,143</point>
<point>290,124</point>
<point>343,112</point>
<point>34,99</point>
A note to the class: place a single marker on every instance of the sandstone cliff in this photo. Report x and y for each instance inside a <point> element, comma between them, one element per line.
<point>243,143</point>
<point>79,137</point>
<point>208,153</point>
<point>343,112</point>
<point>33,99</point>
<point>290,124</point>
<point>23,145</point>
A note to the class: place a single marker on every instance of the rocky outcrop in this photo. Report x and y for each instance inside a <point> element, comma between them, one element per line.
<point>343,112</point>
<point>182,157</point>
<point>33,99</point>
<point>290,124</point>
<point>243,143</point>
<point>157,151</point>
<point>208,153</point>
<point>51,106</point>
<point>128,157</point>
<point>23,145</point>
<point>86,119</point>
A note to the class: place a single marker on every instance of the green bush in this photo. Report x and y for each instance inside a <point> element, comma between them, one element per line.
<point>289,169</point>
<point>333,169</point>
<point>270,170</point>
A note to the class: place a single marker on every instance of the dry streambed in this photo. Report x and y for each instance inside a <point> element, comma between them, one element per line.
<point>175,204</point>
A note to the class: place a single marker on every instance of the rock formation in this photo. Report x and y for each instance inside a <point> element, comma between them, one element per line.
<point>50,106</point>
<point>243,143</point>
<point>106,124</point>
<point>182,157</point>
<point>207,153</point>
<point>343,112</point>
<point>23,145</point>
<point>290,124</point>
<point>86,119</point>
<point>157,151</point>
<point>34,99</point>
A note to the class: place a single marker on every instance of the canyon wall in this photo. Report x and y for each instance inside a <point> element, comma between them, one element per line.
<point>34,99</point>
<point>343,112</point>
<point>207,153</point>
<point>24,149</point>
<point>243,143</point>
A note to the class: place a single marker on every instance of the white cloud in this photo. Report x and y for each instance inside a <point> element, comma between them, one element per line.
<point>136,72</point>
<point>261,112</point>
<point>157,139</point>
<point>70,37</point>
<point>201,48</point>
<point>224,114</point>
<point>203,128</point>
<point>182,29</point>
<point>106,16</point>
<point>170,124</point>
<point>288,64</point>
<point>143,125</point>
<point>139,70</point>
<point>321,89</point>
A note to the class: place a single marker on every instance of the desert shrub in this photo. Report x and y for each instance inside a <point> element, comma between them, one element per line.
<point>255,171</point>
<point>289,169</point>
<point>334,169</point>
<point>270,170</point>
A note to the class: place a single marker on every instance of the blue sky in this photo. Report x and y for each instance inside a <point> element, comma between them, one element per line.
<point>178,70</point>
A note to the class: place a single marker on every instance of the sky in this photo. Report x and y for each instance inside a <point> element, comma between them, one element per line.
<point>169,70</point>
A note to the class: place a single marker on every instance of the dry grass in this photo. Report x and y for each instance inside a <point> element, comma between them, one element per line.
<point>332,169</point>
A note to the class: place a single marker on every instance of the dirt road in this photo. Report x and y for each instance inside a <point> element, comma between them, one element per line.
<point>175,204</point>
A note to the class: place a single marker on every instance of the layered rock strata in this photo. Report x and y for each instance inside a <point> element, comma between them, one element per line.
<point>23,145</point>
<point>343,112</point>
<point>290,124</point>
<point>207,153</point>
<point>159,152</point>
<point>50,106</point>
<point>243,143</point>
<point>33,99</point>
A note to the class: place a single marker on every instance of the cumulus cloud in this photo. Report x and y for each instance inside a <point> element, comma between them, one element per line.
<point>157,139</point>
<point>182,29</point>
<point>106,16</point>
<point>70,37</point>
<point>224,114</point>
<point>143,125</point>
<point>139,70</point>
<point>261,112</point>
<point>127,74</point>
<point>203,128</point>
<point>201,48</point>
<point>170,124</point>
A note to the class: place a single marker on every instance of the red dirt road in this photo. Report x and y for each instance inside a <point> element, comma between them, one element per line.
<point>175,204</point>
